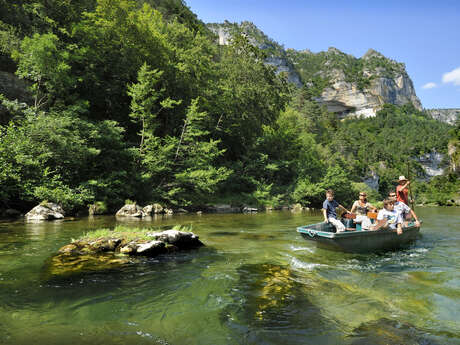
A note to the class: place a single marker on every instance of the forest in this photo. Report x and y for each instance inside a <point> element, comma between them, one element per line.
<point>133,100</point>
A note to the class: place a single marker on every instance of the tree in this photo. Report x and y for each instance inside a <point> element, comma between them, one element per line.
<point>41,61</point>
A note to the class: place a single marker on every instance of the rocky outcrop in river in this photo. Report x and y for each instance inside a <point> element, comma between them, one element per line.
<point>152,244</point>
<point>45,211</point>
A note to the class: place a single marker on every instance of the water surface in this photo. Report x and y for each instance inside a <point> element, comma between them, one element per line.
<point>256,282</point>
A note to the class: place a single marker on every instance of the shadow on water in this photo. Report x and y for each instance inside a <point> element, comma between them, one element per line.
<point>385,331</point>
<point>271,307</point>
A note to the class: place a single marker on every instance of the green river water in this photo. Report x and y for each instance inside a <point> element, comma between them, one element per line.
<point>257,281</point>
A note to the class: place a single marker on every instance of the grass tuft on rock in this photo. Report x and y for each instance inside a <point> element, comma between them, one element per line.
<point>127,233</point>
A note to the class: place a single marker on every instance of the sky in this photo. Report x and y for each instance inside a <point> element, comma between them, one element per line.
<point>425,35</point>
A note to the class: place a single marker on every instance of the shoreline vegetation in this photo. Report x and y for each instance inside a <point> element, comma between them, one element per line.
<point>161,112</point>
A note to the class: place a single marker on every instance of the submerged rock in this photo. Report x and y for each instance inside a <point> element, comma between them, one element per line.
<point>385,331</point>
<point>45,211</point>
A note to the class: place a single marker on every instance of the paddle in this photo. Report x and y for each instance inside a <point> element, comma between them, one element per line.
<point>410,190</point>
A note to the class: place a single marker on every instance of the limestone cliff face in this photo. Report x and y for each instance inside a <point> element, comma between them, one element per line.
<point>386,82</point>
<point>276,54</point>
<point>345,98</point>
<point>355,86</point>
<point>449,116</point>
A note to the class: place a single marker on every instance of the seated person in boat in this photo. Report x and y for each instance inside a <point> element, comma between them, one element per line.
<point>329,212</point>
<point>406,212</point>
<point>360,208</point>
<point>388,217</point>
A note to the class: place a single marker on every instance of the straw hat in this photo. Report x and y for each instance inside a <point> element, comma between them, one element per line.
<point>402,178</point>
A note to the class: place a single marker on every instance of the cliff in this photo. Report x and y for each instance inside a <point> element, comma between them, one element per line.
<point>346,85</point>
<point>449,116</point>
<point>276,55</point>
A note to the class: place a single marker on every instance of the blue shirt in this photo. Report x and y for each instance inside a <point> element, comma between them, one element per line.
<point>330,207</point>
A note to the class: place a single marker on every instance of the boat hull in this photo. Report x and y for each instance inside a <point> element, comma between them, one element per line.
<point>359,241</point>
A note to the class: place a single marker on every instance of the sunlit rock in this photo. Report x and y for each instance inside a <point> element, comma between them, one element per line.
<point>150,248</point>
<point>45,211</point>
<point>153,209</point>
<point>131,210</point>
<point>177,238</point>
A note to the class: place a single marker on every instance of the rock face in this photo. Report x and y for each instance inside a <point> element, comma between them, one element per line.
<point>276,56</point>
<point>356,87</point>
<point>432,163</point>
<point>345,98</point>
<point>48,211</point>
<point>454,155</point>
<point>449,116</point>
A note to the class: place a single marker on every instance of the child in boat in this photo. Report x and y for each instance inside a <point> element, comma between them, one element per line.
<point>403,209</point>
<point>361,207</point>
<point>388,217</point>
<point>329,213</point>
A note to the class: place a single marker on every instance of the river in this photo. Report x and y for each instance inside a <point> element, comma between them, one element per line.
<point>256,282</point>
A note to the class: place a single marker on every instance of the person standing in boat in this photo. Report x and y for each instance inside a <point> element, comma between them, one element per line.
<point>388,217</point>
<point>402,190</point>
<point>329,211</point>
<point>361,207</point>
<point>403,209</point>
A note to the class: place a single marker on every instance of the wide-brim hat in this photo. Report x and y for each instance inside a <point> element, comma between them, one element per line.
<point>402,178</point>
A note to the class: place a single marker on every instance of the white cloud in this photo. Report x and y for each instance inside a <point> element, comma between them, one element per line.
<point>452,77</point>
<point>429,85</point>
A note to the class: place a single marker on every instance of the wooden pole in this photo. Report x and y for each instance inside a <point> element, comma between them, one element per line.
<point>410,190</point>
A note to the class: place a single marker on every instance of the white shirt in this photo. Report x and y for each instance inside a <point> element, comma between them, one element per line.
<point>393,217</point>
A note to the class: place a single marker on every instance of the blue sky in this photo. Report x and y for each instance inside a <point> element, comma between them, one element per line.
<point>425,35</point>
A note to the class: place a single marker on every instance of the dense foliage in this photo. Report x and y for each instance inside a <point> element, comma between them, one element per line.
<point>134,100</point>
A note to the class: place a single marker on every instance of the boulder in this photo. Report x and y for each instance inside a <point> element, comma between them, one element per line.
<point>153,209</point>
<point>168,211</point>
<point>151,248</point>
<point>180,239</point>
<point>130,210</point>
<point>46,211</point>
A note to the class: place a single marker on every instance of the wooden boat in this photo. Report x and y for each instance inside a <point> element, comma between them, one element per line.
<point>358,241</point>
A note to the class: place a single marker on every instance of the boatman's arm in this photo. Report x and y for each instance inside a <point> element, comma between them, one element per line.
<point>417,223</point>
